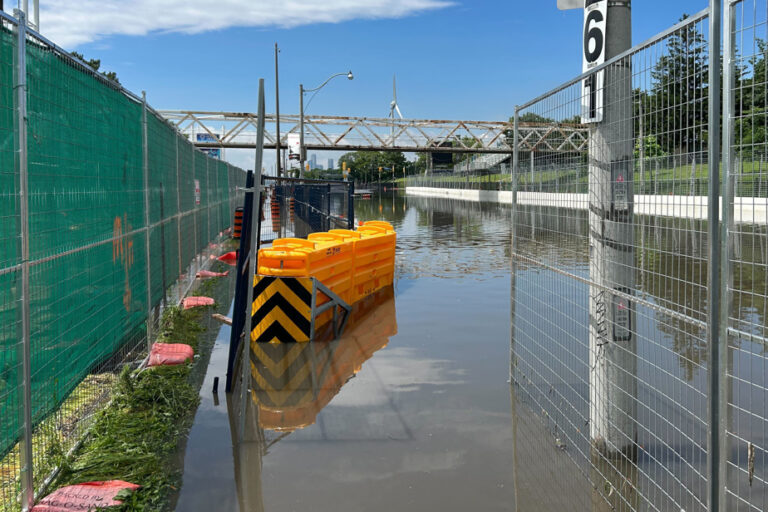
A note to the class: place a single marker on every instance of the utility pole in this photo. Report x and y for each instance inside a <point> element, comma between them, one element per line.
<point>301,130</point>
<point>612,329</point>
<point>277,114</point>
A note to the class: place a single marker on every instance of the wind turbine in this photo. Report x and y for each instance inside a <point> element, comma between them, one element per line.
<point>393,106</point>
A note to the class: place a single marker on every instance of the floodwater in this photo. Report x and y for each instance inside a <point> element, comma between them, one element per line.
<point>426,403</point>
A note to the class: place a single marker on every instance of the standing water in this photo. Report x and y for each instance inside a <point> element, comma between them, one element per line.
<point>412,408</point>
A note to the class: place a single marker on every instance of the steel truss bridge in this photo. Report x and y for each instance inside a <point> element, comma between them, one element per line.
<point>338,133</point>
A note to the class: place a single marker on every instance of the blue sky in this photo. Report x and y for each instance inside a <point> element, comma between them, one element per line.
<point>458,59</point>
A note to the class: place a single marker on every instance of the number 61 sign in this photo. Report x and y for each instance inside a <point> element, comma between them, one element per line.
<point>595,13</point>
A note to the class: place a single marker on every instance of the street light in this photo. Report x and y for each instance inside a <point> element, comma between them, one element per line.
<point>302,90</point>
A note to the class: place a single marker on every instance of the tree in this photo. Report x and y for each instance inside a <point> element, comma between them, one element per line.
<point>364,165</point>
<point>679,92</point>
<point>531,117</point>
<point>95,64</point>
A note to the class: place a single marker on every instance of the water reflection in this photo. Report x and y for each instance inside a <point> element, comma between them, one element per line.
<point>292,383</point>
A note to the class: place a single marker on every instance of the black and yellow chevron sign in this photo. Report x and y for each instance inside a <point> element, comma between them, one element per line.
<point>282,309</point>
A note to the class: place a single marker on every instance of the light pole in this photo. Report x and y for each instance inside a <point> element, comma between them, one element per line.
<point>277,114</point>
<point>302,90</point>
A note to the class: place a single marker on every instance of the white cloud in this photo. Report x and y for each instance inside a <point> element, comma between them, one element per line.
<point>69,23</point>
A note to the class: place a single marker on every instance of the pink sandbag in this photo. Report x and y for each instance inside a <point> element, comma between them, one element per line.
<point>230,258</point>
<point>196,302</point>
<point>208,273</point>
<point>168,354</point>
<point>85,496</point>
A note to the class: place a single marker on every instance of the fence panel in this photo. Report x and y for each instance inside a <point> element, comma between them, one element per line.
<point>88,235</point>
<point>610,275</point>
<point>746,204</point>
<point>297,207</point>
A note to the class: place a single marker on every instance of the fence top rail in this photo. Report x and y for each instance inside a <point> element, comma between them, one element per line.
<point>4,16</point>
<point>691,20</point>
<point>305,180</point>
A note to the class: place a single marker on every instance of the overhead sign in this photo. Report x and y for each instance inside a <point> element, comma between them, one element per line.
<point>592,98</point>
<point>294,146</point>
<point>564,5</point>
<point>207,137</point>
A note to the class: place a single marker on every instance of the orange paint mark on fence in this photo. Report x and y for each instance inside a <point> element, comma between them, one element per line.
<point>122,251</point>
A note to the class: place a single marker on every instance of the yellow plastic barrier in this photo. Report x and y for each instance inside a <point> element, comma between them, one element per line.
<point>353,264</point>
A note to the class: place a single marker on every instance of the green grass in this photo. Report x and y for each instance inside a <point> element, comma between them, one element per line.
<point>138,436</point>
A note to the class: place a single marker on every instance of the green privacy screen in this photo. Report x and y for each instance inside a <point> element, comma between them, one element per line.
<point>88,235</point>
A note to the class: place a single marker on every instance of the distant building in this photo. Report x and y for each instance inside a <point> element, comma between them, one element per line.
<point>330,164</point>
<point>313,161</point>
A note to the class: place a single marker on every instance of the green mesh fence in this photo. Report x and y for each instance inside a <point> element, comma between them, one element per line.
<point>88,238</point>
<point>10,252</point>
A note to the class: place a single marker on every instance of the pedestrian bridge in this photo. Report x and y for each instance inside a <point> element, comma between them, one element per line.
<point>341,133</point>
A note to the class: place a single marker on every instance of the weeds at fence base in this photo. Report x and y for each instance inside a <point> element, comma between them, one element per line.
<point>58,431</point>
<point>136,438</point>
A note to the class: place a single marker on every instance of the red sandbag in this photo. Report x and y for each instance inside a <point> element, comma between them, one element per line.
<point>208,273</point>
<point>168,354</point>
<point>195,302</point>
<point>230,258</point>
<point>85,496</point>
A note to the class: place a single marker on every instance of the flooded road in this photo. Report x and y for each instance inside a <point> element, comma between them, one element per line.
<point>412,409</point>
<point>413,412</point>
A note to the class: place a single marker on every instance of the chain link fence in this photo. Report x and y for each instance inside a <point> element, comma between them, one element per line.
<point>106,214</point>
<point>639,278</point>
<point>296,207</point>
<point>617,311</point>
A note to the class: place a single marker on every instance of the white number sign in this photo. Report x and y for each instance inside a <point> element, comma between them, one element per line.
<point>595,14</point>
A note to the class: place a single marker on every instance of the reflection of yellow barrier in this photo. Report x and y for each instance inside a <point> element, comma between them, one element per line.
<point>292,383</point>
<point>352,264</point>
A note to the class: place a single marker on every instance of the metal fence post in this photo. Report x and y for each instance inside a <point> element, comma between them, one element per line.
<point>726,250</point>
<point>714,289</point>
<point>208,197</point>
<point>513,249</point>
<point>253,252</point>
<point>27,475</point>
<point>194,208</point>
<point>351,204</point>
<point>179,215</point>
<point>145,165</point>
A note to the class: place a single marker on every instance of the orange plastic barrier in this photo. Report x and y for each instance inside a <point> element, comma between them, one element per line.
<point>353,264</point>
<point>168,354</point>
<point>238,225</point>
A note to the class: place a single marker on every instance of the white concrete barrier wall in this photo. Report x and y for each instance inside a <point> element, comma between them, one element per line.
<point>747,210</point>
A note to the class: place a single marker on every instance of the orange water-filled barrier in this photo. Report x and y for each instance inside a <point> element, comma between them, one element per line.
<point>353,264</point>
<point>344,265</point>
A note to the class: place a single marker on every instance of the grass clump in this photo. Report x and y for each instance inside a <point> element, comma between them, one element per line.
<point>136,437</point>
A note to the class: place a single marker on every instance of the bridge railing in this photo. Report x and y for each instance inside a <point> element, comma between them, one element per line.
<point>639,332</point>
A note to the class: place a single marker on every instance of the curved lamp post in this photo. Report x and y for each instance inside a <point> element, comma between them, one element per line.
<point>302,91</point>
